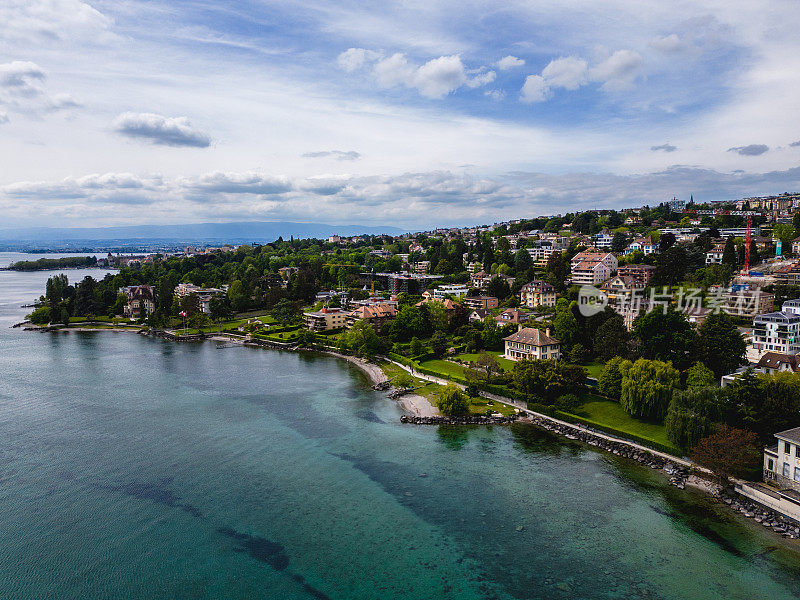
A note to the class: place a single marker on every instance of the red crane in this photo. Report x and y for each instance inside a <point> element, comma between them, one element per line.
<point>747,245</point>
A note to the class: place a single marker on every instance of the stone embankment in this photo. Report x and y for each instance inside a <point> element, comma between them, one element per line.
<point>767,517</point>
<point>677,473</point>
<point>458,420</point>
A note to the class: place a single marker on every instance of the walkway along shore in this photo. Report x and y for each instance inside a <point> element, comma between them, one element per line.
<point>677,469</point>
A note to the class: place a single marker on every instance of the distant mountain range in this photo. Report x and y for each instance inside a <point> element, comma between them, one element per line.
<point>245,232</point>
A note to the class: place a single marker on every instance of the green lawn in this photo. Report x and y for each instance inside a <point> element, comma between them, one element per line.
<point>611,414</point>
<point>428,390</point>
<point>479,406</point>
<point>443,367</point>
<point>505,364</point>
<point>594,368</point>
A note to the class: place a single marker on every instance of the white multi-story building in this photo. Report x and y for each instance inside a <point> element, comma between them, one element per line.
<point>782,462</point>
<point>456,291</point>
<point>532,344</point>
<point>602,240</point>
<point>592,268</point>
<point>777,332</point>
<point>714,256</point>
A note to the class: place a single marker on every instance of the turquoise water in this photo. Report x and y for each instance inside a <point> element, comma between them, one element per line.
<point>136,468</point>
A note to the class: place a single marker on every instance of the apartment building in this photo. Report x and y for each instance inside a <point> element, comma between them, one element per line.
<point>537,293</point>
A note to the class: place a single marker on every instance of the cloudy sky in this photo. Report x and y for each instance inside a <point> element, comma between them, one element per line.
<point>413,113</point>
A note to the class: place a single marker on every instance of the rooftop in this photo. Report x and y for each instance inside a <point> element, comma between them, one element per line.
<point>529,335</point>
<point>791,435</point>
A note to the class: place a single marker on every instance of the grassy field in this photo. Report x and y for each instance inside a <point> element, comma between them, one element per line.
<point>443,367</point>
<point>612,414</point>
<point>594,368</point>
<point>429,390</point>
<point>479,406</point>
<point>505,364</point>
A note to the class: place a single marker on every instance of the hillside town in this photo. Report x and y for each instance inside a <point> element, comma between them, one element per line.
<point>676,326</point>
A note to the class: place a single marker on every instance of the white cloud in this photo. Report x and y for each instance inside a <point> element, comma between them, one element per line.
<point>535,89</point>
<point>669,44</point>
<point>663,148</point>
<point>481,79</point>
<point>618,71</point>
<point>393,70</point>
<point>440,76</point>
<point>750,149</point>
<point>161,130</point>
<point>337,154</point>
<point>22,78</point>
<point>495,94</point>
<point>48,21</point>
<point>236,183</point>
<point>62,102</point>
<point>353,59</point>
<point>418,198</point>
<point>509,62</point>
<point>3,117</point>
<point>568,73</point>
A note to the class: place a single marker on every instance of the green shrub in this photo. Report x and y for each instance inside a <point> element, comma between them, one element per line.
<point>40,316</point>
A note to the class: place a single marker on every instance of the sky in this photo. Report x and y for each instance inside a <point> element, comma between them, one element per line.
<point>412,114</point>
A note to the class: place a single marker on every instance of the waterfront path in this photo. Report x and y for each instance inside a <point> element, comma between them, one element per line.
<point>563,424</point>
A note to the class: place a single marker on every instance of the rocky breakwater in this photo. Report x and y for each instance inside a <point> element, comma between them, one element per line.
<point>767,517</point>
<point>678,474</point>
<point>459,420</point>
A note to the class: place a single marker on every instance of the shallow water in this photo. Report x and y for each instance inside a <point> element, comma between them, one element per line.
<point>138,468</point>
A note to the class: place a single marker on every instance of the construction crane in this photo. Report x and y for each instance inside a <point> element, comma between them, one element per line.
<point>746,270</point>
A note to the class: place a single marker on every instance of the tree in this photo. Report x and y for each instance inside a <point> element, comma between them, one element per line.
<point>437,316</point>
<point>729,253</point>
<point>452,401</point>
<point>361,340</point>
<point>498,287</point>
<point>403,380</point>
<point>719,345</point>
<point>410,322</point>
<point>578,354</point>
<point>619,242</point>
<point>666,241</point>
<point>610,381</point>
<point>220,308</point>
<point>671,266</point>
<point>557,270</point>
<point>612,338</point>
<point>699,376</point>
<point>548,379</point>
<point>491,335</point>
<point>728,452</point>
<point>487,364</point>
<point>85,297</point>
<point>565,326</point>
<point>646,388</point>
<point>522,260</point>
<point>238,295</point>
<point>439,343</point>
<point>416,347</point>
<point>40,316</point>
<point>691,415</point>
<point>190,304</point>
<point>285,311</point>
<point>665,336</point>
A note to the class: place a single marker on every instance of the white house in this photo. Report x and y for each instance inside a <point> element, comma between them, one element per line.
<point>532,344</point>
